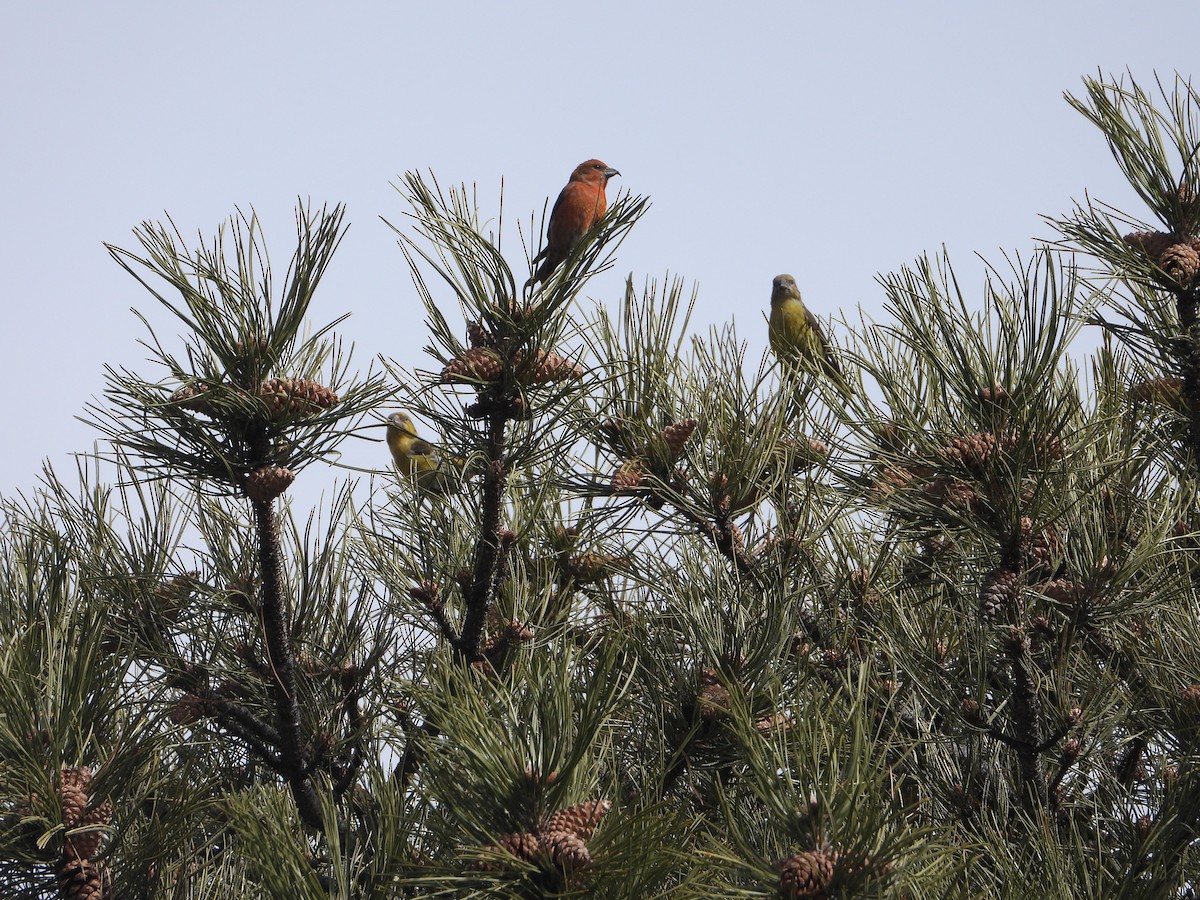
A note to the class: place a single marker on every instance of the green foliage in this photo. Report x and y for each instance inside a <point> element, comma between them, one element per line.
<point>688,626</point>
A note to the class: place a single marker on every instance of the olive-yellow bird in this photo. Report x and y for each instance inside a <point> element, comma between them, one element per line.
<point>416,458</point>
<point>796,336</point>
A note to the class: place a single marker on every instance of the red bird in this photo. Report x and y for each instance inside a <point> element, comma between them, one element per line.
<point>580,206</point>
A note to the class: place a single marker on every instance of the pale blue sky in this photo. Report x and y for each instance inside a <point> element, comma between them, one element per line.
<point>833,141</point>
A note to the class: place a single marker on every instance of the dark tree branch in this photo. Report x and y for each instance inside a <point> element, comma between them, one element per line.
<point>277,632</point>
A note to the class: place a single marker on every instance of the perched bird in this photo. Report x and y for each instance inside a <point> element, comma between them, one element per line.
<point>579,206</point>
<point>415,458</point>
<point>796,335</point>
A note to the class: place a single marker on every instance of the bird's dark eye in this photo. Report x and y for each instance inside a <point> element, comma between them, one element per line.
<point>597,166</point>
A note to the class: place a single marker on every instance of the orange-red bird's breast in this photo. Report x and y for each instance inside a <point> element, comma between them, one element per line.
<point>579,206</point>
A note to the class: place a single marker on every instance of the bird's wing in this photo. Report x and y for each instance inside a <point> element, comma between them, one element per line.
<point>574,213</point>
<point>421,448</point>
<point>823,345</point>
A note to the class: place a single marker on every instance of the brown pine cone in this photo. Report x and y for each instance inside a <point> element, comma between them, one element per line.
<point>675,436</point>
<point>75,794</point>
<point>972,450</point>
<point>1166,392</point>
<point>544,368</point>
<point>522,844</point>
<point>806,874</point>
<point>628,477</point>
<point>1039,550</point>
<point>479,364</point>
<point>81,879</point>
<point>193,397</point>
<point>580,820</point>
<point>1180,262</point>
<point>294,398</point>
<point>566,850</point>
<point>188,709</point>
<point>590,567</point>
<point>1047,448</point>
<point>713,700</point>
<point>813,450</point>
<point>478,336</point>
<point>890,480</point>
<point>268,482</point>
<point>997,395</point>
<point>1152,243</point>
<point>999,592</point>
<point>971,711</point>
<point>951,492</point>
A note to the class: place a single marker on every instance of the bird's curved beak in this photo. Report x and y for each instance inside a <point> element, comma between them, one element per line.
<point>610,172</point>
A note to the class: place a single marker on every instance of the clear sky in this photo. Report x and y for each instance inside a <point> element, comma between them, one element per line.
<point>835,141</point>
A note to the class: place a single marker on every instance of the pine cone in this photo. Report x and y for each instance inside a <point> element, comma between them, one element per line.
<point>1180,262</point>
<point>188,709</point>
<point>1152,243</point>
<point>966,802</point>
<point>580,820</point>
<point>675,436</point>
<point>75,795</point>
<point>951,492</point>
<point>74,792</point>
<point>515,631</point>
<point>294,398</point>
<point>1040,550</point>
<point>566,850</point>
<point>774,722</point>
<point>193,397</point>
<point>1000,592</point>
<point>890,480</point>
<point>972,450</point>
<point>806,874</point>
<point>478,336</point>
<point>1166,392</point>
<point>997,395</point>
<point>520,844</point>
<point>479,364</point>
<point>81,879</point>
<point>713,700</point>
<point>1047,448</point>
<point>1064,590</point>
<point>813,450</point>
<point>737,539</point>
<point>833,658</point>
<point>268,482</point>
<point>616,431</point>
<point>544,368</point>
<point>970,711</point>
<point>590,567</point>
<point>628,478</point>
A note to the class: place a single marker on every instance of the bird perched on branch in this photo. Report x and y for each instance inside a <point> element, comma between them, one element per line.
<point>796,336</point>
<point>416,458</point>
<point>579,206</point>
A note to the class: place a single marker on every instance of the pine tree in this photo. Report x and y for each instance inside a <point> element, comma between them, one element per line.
<point>673,624</point>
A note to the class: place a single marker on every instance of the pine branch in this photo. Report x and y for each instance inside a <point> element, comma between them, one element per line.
<point>491,543</point>
<point>293,753</point>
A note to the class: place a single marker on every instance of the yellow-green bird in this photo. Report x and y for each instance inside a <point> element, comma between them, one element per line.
<point>416,458</point>
<point>796,336</point>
